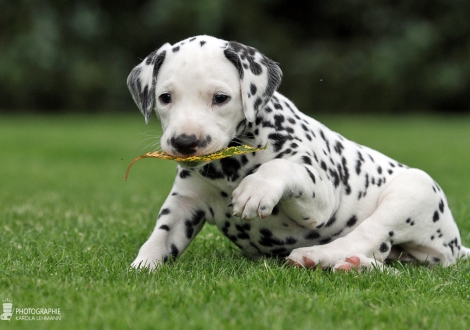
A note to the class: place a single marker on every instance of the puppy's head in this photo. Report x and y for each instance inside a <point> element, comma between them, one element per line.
<point>203,90</point>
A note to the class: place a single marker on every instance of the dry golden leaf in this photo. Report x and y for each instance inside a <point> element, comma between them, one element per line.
<point>226,152</point>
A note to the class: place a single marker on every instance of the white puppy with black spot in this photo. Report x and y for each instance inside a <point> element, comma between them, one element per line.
<point>312,196</point>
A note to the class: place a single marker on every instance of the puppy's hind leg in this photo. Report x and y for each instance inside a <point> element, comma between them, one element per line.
<point>412,213</point>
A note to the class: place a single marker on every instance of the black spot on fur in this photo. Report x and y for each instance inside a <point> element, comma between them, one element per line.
<point>344,175</point>
<point>174,251</point>
<point>275,210</point>
<point>279,252</point>
<point>267,238</point>
<point>325,241</point>
<point>441,206</point>
<point>310,174</point>
<point>278,120</point>
<point>278,140</point>
<point>330,222</point>
<point>195,220</point>
<point>210,171</point>
<point>149,58</point>
<point>359,162</point>
<point>202,43</point>
<point>253,89</point>
<point>241,125</point>
<point>338,148</point>
<point>243,227</point>
<point>290,240</point>
<point>184,174</point>
<point>285,152</point>
<point>164,227</point>
<point>205,142</point>
<point>176,49</point>
<point>307,160</point>
<point>384,247</point>
<point>352,221</point>
<point>435,217</point>
<point>164,211</point>
<point>230,167</point>
<point>226,226</point>
<point>189,229</point>
<point>334,175</point>
<point>313,234</point>
<point>197,217</point>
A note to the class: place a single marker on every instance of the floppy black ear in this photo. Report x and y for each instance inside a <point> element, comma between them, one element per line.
<point>143,79</point>
<point>259,77</point>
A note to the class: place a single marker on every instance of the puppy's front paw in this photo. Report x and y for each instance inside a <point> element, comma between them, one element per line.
<point>256,197</point>
<point>144,263</point>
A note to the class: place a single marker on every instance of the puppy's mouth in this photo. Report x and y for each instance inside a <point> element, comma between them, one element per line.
<point>194,159</point>
<point>192,164</point>
<point>198,161</point>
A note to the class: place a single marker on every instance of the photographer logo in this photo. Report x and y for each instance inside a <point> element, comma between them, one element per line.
<point>28,313</point>
<point>7,310</point>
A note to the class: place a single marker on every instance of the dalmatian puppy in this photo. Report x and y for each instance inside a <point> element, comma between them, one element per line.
<point>312,196</point>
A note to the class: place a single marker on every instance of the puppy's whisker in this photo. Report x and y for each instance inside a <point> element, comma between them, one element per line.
<point>154,142</point>
<point>153,146</point>
<point>151,133</point>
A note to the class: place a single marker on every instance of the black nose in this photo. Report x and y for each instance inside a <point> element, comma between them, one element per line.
<point>185,144</point>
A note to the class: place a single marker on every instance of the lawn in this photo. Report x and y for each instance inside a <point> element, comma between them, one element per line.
<point>70,226</point>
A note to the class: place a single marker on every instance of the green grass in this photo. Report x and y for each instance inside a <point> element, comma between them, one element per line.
<point>70,226</point>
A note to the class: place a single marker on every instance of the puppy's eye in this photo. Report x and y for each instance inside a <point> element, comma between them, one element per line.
<point>220,99</point>
<point>165,98</point>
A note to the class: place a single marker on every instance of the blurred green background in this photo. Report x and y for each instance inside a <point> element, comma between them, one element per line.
<point>350,56</point>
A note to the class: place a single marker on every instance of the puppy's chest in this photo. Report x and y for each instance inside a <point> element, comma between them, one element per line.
<point>227,173</point>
